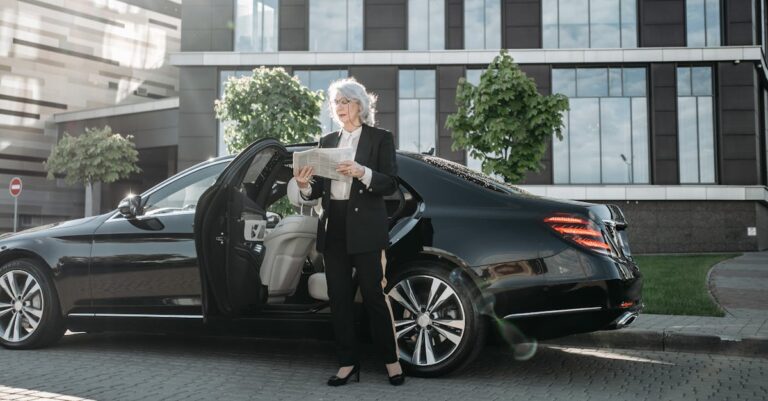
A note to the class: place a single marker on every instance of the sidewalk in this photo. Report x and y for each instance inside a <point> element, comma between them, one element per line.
<point>739,285</point>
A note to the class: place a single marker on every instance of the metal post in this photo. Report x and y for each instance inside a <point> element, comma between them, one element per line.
<point>15,210</point>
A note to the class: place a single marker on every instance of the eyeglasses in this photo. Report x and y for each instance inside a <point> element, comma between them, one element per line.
<point>342,101</point>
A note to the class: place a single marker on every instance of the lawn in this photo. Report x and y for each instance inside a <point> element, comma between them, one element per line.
<point>677,284</point>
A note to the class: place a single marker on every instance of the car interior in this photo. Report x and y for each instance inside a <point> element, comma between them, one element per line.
<point>291,269</point>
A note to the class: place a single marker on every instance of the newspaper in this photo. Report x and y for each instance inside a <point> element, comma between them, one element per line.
<point>324,161</point>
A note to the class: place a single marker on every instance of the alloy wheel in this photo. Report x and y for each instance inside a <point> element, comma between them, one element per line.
<point>429,319</point>
<point>21,305</point>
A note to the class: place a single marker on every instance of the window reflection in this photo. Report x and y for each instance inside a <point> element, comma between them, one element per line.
<point>336,25</point>
<point>256,25</point>
<point>482,24</point>
<point>319,81</point>
<point>695,125</point>
<point>426,24</point>
<point>473,77</point>
<point>589,23</point>
<point>417,110</point>
<point>606,128</point>
<point>702,21</point>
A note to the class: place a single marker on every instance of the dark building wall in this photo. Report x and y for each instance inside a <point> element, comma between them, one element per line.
<point>293,25</point>
<point>386,25</point>
<point>694,226</point>
<point>661,23</point>
<point>663,128</point>
<point>738,28</point>
<point>740,155</point>
<point>454,24</point>
<point>521,24</point>
<point>447,82</point>
<point>197,121</point>
<point>383,82</point>
<point>155,136</point>
<point>206,25</point>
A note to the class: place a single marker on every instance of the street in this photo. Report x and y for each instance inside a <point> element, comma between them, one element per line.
<point>156,367</point>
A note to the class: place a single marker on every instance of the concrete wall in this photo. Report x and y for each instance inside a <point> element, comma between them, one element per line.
<point>694,226</point>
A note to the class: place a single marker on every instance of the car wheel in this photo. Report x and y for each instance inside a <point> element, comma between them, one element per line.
<point>437,325</point>
<point>30,315</point>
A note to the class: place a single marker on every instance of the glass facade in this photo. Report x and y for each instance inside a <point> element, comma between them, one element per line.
<point>702,22</point>
<point>417,126</point>
<point>335,25</point>
<point>606,129</point>
<point>589,23</point>
<point>695,125</point>
<point>223,77</point>
<point>473,77</point>
<point>256,25</point>
<point>426,24</point>
<point>319,80</point>
<point>482,24</point>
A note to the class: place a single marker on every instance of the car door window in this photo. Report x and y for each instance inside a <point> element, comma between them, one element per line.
<point>182,194</point>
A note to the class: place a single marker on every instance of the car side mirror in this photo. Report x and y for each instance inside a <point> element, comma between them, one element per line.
<point>130,206</point>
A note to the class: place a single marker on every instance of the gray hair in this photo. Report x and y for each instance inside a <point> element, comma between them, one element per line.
<point>355,91</point>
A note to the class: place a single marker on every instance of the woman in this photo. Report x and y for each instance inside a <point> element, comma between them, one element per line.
<point>353,229</point>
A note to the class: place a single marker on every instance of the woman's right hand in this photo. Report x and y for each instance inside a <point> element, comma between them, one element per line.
<point>303,175</point>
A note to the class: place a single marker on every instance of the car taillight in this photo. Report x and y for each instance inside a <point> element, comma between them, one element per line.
<point>581,231</point>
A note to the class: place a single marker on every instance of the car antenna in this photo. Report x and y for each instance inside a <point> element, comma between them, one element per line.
<point>430,152</point>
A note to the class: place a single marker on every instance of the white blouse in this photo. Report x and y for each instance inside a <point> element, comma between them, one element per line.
<point>340,189</point>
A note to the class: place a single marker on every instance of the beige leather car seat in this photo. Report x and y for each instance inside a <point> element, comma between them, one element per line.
<point>287,247</point>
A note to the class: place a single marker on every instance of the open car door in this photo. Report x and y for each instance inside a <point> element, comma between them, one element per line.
<point>230,225</point>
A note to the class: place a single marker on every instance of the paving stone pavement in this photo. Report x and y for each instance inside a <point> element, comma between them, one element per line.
<point>154,367</point>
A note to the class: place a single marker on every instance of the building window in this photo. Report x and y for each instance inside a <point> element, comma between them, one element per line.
<point>429,35</point>
<point>223,77</point>
<point>702,21</point>
<point>417,127</point>
<point>320,80</point>
<point>335,25</point>
<point>695,125</point>
<point>589,23</point>
<point>482,24</point>
<point>473,77</point>
<point>606,129</point>
<point>256,26</point>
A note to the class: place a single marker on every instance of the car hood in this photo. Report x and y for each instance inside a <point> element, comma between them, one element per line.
<point>76,226</point>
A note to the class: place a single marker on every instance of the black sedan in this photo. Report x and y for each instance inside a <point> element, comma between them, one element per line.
<point>201,251</point>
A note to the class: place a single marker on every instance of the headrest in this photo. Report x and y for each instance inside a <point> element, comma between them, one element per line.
<point>294,195</point>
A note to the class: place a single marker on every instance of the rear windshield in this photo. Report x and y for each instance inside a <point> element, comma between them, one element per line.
<point>467,173</point>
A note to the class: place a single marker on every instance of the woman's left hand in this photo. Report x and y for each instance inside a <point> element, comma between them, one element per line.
<point>350,168</point>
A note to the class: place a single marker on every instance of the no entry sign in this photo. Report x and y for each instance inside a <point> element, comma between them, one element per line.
<point>15,187</point>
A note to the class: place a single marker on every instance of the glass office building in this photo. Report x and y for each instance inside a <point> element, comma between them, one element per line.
<point>668,99</point>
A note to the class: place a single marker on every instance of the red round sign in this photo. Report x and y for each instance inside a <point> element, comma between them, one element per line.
<point>15,186</point>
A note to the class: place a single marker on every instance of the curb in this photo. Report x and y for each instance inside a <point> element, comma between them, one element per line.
<point>668,342</point>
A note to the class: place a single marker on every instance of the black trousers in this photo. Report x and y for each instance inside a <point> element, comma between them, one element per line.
<point>341,291</point>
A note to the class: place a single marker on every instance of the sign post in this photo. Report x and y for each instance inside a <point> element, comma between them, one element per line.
<point>15,189</point>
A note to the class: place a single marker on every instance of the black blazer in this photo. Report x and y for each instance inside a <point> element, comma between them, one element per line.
<point>367,224</point>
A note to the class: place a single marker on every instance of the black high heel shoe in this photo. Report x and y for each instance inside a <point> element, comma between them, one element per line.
<point>397,380</point>
<point>340,381</point>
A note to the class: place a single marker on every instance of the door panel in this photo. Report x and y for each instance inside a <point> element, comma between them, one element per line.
<point>230,260</point>
<point>148,264</point>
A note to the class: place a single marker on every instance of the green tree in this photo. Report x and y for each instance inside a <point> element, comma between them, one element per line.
<point>98,155</point>
<point>504,121</point>
<point>268,104</point>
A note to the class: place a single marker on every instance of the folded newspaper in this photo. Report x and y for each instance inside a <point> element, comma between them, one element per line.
<point>324,161</point>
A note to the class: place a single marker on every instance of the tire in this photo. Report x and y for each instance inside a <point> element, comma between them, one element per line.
<point>34,321</point>
<point>454,328</point>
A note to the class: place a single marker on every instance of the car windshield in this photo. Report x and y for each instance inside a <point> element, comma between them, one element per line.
<point>468,174</point>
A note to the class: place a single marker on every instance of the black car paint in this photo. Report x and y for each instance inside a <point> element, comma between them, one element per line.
<point>100,264</point>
